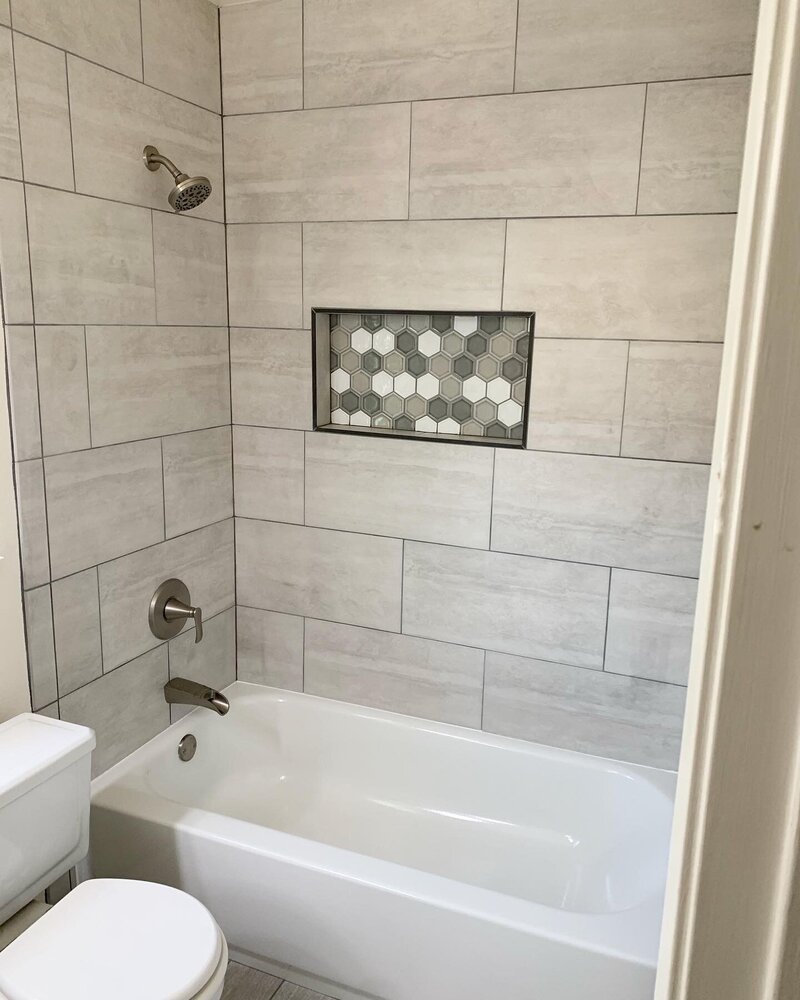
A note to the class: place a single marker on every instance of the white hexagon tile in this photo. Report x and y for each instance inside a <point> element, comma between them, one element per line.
<point>463,375</point>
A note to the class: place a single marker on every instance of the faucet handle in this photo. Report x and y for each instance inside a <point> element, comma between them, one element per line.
<point>171,608</point>
<point>175,610</point>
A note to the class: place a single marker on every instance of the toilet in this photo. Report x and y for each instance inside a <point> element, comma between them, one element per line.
<point>107,938</point>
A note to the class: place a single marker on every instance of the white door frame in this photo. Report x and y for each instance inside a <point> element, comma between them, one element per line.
<point>732,916</point>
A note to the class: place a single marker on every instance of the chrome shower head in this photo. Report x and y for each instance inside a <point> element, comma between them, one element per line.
<point>189,192</point>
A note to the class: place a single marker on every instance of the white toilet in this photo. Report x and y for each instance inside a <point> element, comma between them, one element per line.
<point>109,937</point>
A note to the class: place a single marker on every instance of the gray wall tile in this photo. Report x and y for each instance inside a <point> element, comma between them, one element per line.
<point>605,277</point>
<point>270,648</point>
<point>41,655</point>
<point>337,163</point>
<point>265,275</point>
<point>394,672</point>
<point>23,392</point>
<point>35,554</point>
<point>577,395</point>
<point>102,503</point>
<point>125,708</point>
<point>49,711</point>
<point>14,266</point>
<point>430,491</point>
<point>5,12</point>
<point>211,661</point>
<point>113,118</point>
<point>10,155</point>
<point>514,604</point>
<point>44,113</point>
<point>650,620</point>
<point>76,617</point>
<point>573,152</point>
<point>619,717</point>
<point>92,260</point>
<point>271,378</point>
<point>105,31</point>
<point>610,511</point>
<point>403,265</point>
<point>181,49</point>
<point>671,401</point>
<point>145,381</point>
<point>190,271</point>
<point>262,56</point>
<point>325,574</point>
<point>63,390</point>
<point>203,559</point>
<point>198,479</point>
<point>693,145</point>
<point>592,42</point>
<point>268,471</point>
<point>366,51</point>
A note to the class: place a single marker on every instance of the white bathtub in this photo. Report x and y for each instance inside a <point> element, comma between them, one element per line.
<point>397,858</point>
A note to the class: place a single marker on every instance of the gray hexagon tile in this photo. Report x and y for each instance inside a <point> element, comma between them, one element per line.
<point>433,374</point>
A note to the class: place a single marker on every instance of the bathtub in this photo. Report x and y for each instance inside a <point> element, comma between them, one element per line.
<point>365,853</point>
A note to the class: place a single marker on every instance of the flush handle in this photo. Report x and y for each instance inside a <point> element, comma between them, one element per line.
<point>171,608</point>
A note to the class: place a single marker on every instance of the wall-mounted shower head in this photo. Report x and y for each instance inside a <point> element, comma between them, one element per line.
<point>189,192</point>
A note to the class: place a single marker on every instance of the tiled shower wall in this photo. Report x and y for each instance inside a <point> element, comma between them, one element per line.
<point>573,158</point>
<point>117,338</point>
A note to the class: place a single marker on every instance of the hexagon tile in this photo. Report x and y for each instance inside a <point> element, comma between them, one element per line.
<point>463,375</point>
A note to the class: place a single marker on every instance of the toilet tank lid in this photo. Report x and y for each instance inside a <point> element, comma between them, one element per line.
<point>33,747</point>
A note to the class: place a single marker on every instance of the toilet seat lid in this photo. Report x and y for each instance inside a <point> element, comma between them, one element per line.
<point>114,938</point>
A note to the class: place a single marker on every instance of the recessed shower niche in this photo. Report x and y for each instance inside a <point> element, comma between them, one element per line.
<point>459,377</point>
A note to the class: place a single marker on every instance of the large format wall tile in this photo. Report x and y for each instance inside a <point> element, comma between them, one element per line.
<point>336,163</point>
<point>41,653</point>
<point>693,145</point>
<point>202,559</point>
<point>44,113</point>
<point>181,49</point>
<point>577,395</point>
<point>403,265</point>
<point>591,42</point>
<point>23,392</point>
<point>265,275</point>
<point>332,575</point>
<point>262,56</point>
<point>671,401</point>
<point>5,12</point>
<point>125,708</point>
<point>537,607</point>
<point>14,265</point>
<point>271,378</point>
<point>76,618</point>
<point>92,260</point>
<point>609,511</point>
<point>563,153</point>
<point>211,662</point>
<point>365,51</point>
<point>190,270</point>
<point>399,673</point>
<point>113,119</point>
<point>268,473</point>
<point>650,620</point>
<point>269,648</point>
<point>105,31</point>
<point>430,491</point>
<point>10,155</point>
<point>619,717</point>
<point>198,479</point>
<point>34,550</point>
<point>605,277</point>
<point>102,503</point>
<point>148,381</point>
<point>63,388</point>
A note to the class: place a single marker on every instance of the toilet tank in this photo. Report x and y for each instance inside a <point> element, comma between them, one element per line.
<point>45,776</point>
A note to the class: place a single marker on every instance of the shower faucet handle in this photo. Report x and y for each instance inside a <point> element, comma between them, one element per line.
<point>170,608</point>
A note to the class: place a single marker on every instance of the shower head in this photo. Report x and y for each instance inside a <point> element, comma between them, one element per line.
<point>189,192</point>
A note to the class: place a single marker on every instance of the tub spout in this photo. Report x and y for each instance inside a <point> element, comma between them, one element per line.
<point>180,691</point>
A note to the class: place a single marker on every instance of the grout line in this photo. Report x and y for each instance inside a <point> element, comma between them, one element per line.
<point>453,218</point>
<point>503,273</point>
<point>491,499</point>
<point>305,476</point>
<point>118,444</point>
<point>605,631</point>
<point>302,54</point>
<point>100,622</point>
<point>410,148</point>
<point>88,392</point>
<point>69,117</point>
<point>141,36</point>
<point>163,492</point>
<point>516,50</point>
<point>483,687</point>
<point>153,258</point>
<point>641,149</point>
<point>625,402</point>
<point>402,582</point>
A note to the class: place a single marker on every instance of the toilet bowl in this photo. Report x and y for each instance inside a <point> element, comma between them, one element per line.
<point>118,938</point>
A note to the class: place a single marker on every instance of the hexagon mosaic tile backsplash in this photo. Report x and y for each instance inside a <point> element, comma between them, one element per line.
<point>456,375</point>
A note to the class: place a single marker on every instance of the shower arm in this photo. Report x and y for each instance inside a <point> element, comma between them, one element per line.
<point>153,160</point>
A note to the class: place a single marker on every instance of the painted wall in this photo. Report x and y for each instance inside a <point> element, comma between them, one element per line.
<point>117,347</point>
<point>580,160</point>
